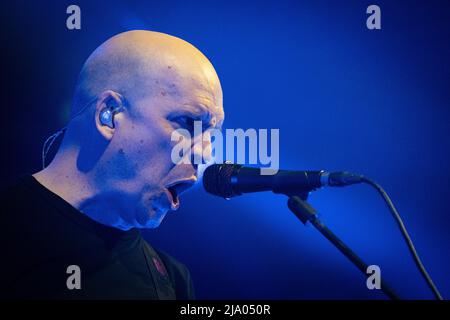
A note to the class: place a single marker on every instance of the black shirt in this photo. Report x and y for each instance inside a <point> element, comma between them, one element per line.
<point>42,235</point>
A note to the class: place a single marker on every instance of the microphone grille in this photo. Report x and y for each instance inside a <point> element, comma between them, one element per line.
<point>217,179</point>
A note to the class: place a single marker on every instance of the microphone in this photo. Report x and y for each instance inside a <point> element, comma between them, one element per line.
<point>230,180</point>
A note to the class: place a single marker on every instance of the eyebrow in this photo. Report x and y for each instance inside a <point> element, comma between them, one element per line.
<point>204,114</point>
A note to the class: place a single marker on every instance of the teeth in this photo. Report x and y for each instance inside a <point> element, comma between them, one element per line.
<point>175,190</point>
<point>175,200</point>
<point>175,206</point>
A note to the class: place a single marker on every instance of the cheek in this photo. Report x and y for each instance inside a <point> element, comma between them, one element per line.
<point>154,151</point>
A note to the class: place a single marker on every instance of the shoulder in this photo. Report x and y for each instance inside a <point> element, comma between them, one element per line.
<point>21,202</point>
<point>180,276</point>
<point>19,193</point>
<point>14,197</point>
<point>13,189</point>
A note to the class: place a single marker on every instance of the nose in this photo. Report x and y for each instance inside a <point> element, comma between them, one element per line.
<point>201,151</point>
<point>207,147</point>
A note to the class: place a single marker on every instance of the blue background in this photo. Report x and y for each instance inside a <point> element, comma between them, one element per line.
<point>343,97</point>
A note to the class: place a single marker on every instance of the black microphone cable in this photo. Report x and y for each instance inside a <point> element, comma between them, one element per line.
<point>405,235</point>
<point>218,180</point>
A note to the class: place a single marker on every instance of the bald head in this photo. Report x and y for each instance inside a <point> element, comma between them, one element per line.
<point>121,173</point>
<point>138,64</point>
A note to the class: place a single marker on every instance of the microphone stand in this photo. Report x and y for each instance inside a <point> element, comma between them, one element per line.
<point>305,212</point>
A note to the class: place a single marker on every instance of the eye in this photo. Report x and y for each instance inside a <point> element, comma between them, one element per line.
<point>184,122</point>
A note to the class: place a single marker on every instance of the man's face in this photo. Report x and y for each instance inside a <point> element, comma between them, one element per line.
<point>147,174</point>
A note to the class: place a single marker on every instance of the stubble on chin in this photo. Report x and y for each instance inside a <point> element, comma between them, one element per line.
<point>152,212</point>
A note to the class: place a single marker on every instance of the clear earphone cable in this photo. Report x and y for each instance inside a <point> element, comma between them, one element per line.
<point>50,140</point>
<point>48,143</point>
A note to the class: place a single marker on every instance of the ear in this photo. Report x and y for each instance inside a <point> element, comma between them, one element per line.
<point>108,100</point>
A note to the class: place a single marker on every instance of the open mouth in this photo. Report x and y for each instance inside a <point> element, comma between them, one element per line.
<point>176,189</point>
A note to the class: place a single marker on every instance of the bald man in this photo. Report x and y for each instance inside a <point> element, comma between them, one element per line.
<point>72,230</point>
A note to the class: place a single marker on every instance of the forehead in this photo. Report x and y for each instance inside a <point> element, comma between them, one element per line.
<point>181,85</point>
<point>201,96</point>
<point>204,105</point>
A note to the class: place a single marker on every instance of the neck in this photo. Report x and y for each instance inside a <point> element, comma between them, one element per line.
<point>64,179</point>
